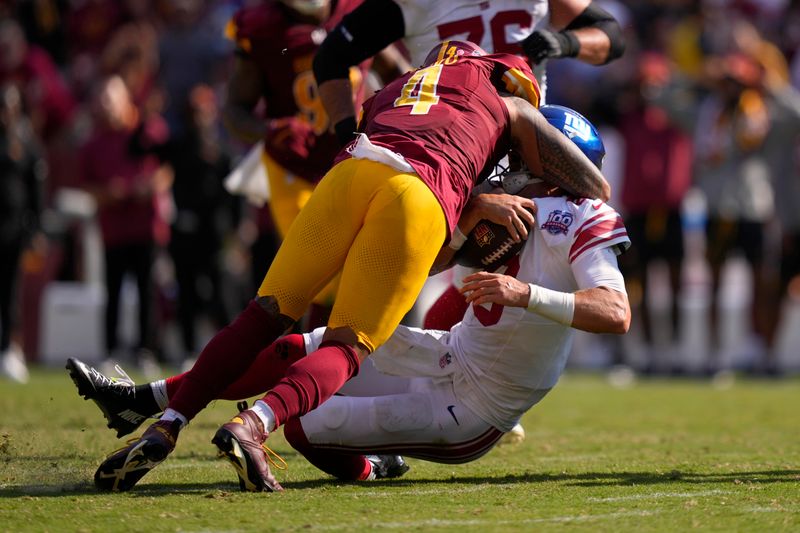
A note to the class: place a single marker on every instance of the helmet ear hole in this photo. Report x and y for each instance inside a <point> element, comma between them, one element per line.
<point>578,129</point>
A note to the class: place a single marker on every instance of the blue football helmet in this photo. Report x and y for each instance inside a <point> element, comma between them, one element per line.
<point>578,129</point>
<point>570,123</point>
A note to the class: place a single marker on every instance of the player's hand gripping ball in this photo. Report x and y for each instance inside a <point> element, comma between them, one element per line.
<point>489,246</point>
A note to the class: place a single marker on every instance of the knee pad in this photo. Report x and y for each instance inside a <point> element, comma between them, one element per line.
<point>337,412</point>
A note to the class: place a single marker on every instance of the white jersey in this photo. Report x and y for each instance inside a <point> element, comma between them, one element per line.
<point>496,25</point>
<point>507,357</point>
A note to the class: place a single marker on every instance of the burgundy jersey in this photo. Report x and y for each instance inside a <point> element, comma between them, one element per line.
<point>449,122</point>
<point>283,49</point>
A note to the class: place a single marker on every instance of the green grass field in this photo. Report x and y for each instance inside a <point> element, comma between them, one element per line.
<point>660,456</point>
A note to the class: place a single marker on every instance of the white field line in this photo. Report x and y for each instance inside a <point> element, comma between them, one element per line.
<point>435,522</point>
<point>438,491</point>
<point>660,495</point>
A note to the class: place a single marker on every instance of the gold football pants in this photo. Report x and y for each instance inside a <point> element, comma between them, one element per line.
<point>288,195</point>
<point>382,228</point>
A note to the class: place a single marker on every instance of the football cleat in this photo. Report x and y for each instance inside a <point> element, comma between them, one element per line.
<point>241,442</point>
<point>114,396</point>
<point>387,466</point>
<point>123,468</point>
<point>515,436</point>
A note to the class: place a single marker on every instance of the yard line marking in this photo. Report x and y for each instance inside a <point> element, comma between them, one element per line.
<point>657,495</point>
<point>436,522</point>
<point>427,492</point>
<point>767,510</point>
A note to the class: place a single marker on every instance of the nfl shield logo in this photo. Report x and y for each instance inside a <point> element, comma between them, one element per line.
<point>445,360</point>
<point>483,235</point>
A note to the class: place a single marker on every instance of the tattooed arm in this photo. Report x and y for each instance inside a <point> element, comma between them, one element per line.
<point>551,155</point>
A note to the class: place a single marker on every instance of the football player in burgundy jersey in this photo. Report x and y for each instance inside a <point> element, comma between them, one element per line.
<point>275,43</point>
<point>464,388</point>
<point>380,216</point>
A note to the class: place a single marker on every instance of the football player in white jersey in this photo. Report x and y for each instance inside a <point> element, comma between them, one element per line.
<point>460,390</point>
<point>539,29</point>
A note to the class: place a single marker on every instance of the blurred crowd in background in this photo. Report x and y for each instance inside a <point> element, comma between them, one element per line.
<point>121,99</point>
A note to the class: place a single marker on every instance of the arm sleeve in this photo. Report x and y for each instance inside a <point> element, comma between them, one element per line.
<point>598,268</point>
<point>595,16</point>
<point>364,32</point>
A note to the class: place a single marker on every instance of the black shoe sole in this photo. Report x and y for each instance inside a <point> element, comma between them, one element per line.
<point>397,471</point>
<point>230,449</point>
<point>87,391</point>
<point>121,473</point>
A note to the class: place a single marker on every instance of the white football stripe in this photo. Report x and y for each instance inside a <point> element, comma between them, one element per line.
<point>659,495</point>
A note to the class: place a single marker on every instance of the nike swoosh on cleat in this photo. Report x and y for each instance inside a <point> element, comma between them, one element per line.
<point>131,416</point>
<point>450,410</point>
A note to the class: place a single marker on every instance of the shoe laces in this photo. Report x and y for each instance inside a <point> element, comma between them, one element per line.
<point>269,453</point>
<point>123,384</point>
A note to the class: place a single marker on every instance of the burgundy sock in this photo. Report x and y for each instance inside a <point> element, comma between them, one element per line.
<point>447,311</point>
<point>312,380</point>
<point>174,383</point>
<point>225,358</point>
<point>268,368</point>
<point>345,466</point>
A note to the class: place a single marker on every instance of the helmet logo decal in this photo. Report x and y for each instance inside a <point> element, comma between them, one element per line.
<point>575,126</point>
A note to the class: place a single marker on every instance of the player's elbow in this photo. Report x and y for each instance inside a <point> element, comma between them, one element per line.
<point>605,195</point>
<point>619,316</point>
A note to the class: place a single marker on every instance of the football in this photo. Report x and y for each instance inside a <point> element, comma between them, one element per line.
<point>488,246</point>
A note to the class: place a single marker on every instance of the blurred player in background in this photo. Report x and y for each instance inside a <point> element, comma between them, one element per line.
<point>275,44</point>
<point>469,385</point>
<point>23,172</point>
<point>380,216</point>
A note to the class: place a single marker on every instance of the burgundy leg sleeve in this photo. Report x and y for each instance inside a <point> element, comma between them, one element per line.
<point>345,466</point>
<point>225,358</point>
<point>268,368</point>
<point>312,380</point>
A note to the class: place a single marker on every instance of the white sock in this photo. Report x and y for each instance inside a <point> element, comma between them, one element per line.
<point>264,412</point>
<point>159,389</point>
<point>171,414</point>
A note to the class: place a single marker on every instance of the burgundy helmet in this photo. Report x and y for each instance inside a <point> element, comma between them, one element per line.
<point>447,51</point>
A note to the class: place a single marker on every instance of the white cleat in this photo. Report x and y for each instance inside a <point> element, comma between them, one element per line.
<point>515,436</point>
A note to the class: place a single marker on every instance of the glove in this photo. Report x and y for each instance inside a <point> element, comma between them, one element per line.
<point>543,44</point>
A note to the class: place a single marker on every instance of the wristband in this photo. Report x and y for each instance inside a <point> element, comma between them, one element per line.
<point>555,305</point>
<point>457,239</point>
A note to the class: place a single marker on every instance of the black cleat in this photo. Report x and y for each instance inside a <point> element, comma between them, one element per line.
<point>388,466</point>
<point>114,396</point>
<point>125,467</point>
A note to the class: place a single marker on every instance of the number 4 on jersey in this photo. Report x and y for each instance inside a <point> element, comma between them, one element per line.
<point>420,90</point>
